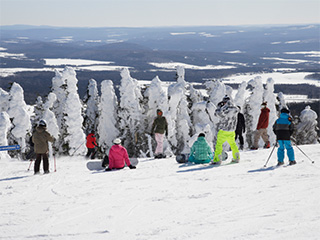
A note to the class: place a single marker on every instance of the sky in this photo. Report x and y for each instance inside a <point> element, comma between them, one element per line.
<point>150,13</point>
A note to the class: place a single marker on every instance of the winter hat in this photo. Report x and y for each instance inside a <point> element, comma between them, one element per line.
<point>201,135</point>
<point>285,110</point>
<point>117,141</point>
<point>42,123</point>
<point>264,104</point>
<point>225,98</point>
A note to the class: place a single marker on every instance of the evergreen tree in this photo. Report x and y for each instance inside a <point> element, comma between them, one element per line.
<point>5,125</point>
<point>4,98</point>
<point>91,100</point>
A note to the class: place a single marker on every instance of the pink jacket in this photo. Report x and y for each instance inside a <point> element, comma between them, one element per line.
<point>117,156</point>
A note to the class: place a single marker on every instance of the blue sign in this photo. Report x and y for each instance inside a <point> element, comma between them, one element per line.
<point>11,147</point>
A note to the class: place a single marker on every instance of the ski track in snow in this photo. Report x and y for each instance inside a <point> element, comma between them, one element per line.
<point>162,199</point>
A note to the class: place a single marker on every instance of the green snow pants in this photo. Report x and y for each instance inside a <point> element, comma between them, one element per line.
<point>222,137</point>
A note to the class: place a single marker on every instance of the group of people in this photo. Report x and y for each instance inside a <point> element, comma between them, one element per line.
<point>231,126</point>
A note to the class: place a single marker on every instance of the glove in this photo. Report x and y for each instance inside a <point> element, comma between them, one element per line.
<point>132,167</point>
<point>108,169</point>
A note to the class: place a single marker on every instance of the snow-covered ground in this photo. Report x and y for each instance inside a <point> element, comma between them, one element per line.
<point>162,199</point>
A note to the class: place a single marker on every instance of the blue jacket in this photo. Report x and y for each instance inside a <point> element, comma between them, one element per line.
<point>283,127</point>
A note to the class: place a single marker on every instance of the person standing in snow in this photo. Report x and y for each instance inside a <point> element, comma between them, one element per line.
<point>262,128</point>
<point>118,156</point>
<point>241,128</point>
<point>159,128</point>
<point>40,139</point>
<point>283,128</point>
<point>91,145</point>
<point>200,151</point>
<point>227,112</point>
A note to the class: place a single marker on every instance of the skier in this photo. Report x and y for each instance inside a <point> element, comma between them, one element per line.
<point>227,112</point>
<point>200,151</point>
<point>241,128</point>
<point>40,139</point>
<point>118,155</point>
<point>159,127</point>
<point>283,128</point>
<point>262,128</point>
<point>91,144</point>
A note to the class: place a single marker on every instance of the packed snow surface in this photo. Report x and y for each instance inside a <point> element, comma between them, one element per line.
<point>162,199</point>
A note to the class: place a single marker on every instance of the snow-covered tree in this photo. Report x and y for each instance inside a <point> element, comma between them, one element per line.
<point>91,100</point>
<point>281,101</point>
<point>38,110</point>
<point>4,98</point>
<point>270,98</point>
<point>130,113</point>
<point>239,99</point>
<point>107,124</point>
<point>20,118</point>
<point>216,91</point>
<point>306,130</point>
<point>5,125</point>
<point>179,130</point>
<point>157,98</point>
<point>252,108</point>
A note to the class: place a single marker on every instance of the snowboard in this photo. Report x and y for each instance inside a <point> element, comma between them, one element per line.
<point>96,165</point>
<point>183,158</point>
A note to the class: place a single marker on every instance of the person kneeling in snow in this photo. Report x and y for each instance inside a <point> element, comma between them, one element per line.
<point>200,151</point>
<point>283,128</point>
<point>227,112</point>
<point>118,156</point>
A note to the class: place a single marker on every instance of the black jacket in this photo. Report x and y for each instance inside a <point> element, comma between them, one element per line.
<point>241,126</point>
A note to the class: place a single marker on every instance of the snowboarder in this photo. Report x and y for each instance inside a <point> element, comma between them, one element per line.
<point>262,126</point>
<point>91,145</point>
<point>118,156</point>
<point>159,127</point>
<point>227,112</point>
<point>283,128</point>
<point>40,139</point>
<point>241,128</point>
<point>200,151</point>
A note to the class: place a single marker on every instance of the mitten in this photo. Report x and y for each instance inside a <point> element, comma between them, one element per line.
<point>132,167</point>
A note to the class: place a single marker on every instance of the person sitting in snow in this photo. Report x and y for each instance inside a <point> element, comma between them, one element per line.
<point>40,139</point>
<point>159,127</point>
<point>283,128</point>
<point>200,151</point>
<point>241,128</point>
<point>118,156</point>
<point>91,144</point>
<point>227,112</point>
<point>262,126</point>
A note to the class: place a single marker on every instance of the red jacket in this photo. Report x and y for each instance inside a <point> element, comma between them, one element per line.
<point>264,118</point>
<point>118,156</point>
<point>91,141</point>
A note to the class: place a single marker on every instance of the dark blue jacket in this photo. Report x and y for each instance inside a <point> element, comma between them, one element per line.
<point>283,127</point>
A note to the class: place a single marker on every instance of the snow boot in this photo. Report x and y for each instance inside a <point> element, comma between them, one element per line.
<point>254,148</point>
<point>280,163</point>
<point>241,147</point>
<point>292,162</point>
<point>267,145</point>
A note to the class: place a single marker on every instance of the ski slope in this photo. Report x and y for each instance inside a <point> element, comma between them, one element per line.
<point>162,199</point>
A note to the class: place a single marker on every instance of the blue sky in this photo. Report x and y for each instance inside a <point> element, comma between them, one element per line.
<point>147,13</point>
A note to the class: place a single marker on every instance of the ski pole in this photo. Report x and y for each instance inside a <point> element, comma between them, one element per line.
<point>270,154</point>
<point>301,150</point>
<point>30,164</point>
<point>77,149</point>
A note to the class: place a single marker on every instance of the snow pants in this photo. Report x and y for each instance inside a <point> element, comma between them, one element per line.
<point>159,140</point>
<point>262,132</point>
<point>38,161</point>
<point>222,137</point>
<point>196,161</point>
<point>91,152</point>
<point>285,144</point>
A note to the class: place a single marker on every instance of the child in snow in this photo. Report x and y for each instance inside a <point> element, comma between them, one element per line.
<point>118,156</point>
<point>159,127</point>
<point>283,128</point>
<point>241,128</point>
<point>40,139</point>
<point>91,144</point>
<point>262,126</point>
<point>200,151</point>
<point>227,112</point>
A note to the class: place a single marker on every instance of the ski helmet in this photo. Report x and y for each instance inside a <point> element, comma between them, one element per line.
<point>42,123</point>
<point>285,110</point>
